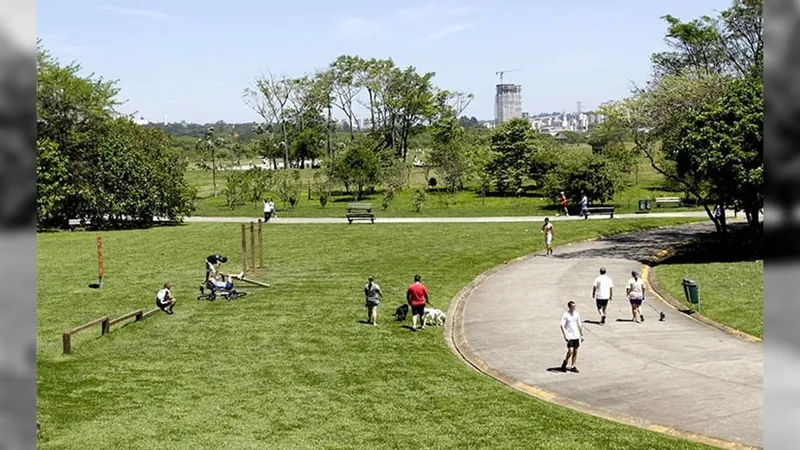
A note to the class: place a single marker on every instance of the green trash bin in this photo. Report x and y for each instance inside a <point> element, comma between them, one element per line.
<point>692,291</point>
<point>644,205</point>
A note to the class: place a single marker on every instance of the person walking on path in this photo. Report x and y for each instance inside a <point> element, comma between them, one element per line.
<point>417,297</point>
<point>563,205</point>
<point>272,208</point>
<point>267,210</point>
<point>602,291</point>
<point>549,233</point>
<point>372,293</point>
<point>584,206</point>
<point>572,331</point>
<point>635,291</point>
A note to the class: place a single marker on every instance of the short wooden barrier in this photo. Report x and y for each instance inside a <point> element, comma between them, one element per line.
<point>67,337</point>
<point>105,325</point>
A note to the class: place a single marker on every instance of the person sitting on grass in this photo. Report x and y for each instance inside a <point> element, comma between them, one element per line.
<point>164,299</point>
<point>224,282</point>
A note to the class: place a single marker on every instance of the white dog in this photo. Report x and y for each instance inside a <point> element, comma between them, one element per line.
<point>434,315</point>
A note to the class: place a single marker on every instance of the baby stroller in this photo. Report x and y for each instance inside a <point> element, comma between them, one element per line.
<point>227,292</point>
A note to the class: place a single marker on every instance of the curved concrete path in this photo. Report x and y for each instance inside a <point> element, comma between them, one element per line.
<point>680,377</point>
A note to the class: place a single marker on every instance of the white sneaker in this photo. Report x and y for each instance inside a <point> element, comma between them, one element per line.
<point>240,275</point>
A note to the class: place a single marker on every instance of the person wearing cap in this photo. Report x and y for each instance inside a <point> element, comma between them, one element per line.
<point>635,291</point>
<point>572,331</point>
<point>372,292</point>
<point>602,291</point>
<point>563,204</point>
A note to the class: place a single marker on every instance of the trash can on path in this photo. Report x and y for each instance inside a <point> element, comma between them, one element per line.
<point>692,291</point>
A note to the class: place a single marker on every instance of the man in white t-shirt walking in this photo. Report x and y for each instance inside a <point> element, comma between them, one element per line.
<point>602,291</point>
<point>572,331</point>
<point>635,291</point>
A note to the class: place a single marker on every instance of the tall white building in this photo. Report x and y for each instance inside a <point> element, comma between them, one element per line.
<point>507,103</point>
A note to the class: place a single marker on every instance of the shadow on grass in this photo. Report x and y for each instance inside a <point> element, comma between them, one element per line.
<point>738,245</point>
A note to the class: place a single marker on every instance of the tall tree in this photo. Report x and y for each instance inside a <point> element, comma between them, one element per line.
<point>268,97</point>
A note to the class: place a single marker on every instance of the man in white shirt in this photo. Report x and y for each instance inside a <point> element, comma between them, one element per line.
<point>602,291</point>
<point>572,331</point>
<point>584,206</point>
<point>267,210</point>
<point>164,299</point>
<point>635,291</point>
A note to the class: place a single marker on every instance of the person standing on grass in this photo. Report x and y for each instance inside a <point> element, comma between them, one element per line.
<point>572,331</point>
<point>417,297</point>
<point>267,210</point>
<point>549,233</point>
<point>584,206</point>
<point>635,291</point>
<point>372,292</point>
<point>212,264</point>
<point>563,205</point>
<point>164,299</point>
<point>602,291</point>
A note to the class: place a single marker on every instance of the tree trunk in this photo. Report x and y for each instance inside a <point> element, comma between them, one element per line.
<point>328,130</point>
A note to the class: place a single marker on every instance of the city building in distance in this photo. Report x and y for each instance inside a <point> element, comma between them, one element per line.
<point>508,103</point>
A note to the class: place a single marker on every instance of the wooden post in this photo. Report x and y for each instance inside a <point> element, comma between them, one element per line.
<point>260,247</point>
<point>66,339</point>
<point>105,327</point>
<point>244,248</point>
<point>100,258</point>
<point>252,245</point>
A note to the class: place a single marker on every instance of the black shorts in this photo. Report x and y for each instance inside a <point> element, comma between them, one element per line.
<point>162,305</point>
<point>601,303</point>
<point>637,302</point>
<point>573,343</point>
<point>417,310</point>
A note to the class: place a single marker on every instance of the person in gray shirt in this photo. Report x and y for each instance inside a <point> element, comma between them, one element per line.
<point>372,292</point>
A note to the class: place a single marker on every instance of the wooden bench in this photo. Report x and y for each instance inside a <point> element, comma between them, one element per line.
<point>66,338</point>
<point>601,210</point>
<point>660,201</point>
<point>360,211</point>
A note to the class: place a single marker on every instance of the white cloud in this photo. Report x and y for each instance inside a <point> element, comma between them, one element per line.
<point>448,30</point>
<point>435,9</point>
<point>357,28</point>
<point>131,12</point>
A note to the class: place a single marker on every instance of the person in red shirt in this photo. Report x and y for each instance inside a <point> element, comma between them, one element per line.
<point>563,204</point>
<point>417,296</point>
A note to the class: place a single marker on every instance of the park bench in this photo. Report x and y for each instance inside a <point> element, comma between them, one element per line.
<point>660,201</point>
<point>601,210</point>
<point>360,211</point>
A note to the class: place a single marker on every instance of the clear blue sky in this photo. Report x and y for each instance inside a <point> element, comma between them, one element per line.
<point>191,59</point>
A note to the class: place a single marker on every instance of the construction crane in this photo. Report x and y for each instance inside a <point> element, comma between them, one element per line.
<point>505,71</point>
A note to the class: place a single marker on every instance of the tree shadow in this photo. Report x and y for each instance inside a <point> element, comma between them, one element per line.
<point>738,245</point>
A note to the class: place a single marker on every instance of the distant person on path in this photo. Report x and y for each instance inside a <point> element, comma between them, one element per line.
<point>549,233</point>
<point>584,206</point>
<point>267,210</point>
<point>372,293</point>
<point>635,291</point>
<point>164,299</point>
<point>572,331</point>
<point>563,205</point>
<point>272,208</point>
<point>212,264</point>
<point>602,291</point>
<point>417,297</point>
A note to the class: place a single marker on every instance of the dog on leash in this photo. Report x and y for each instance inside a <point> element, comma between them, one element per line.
<point>434,316</point>
<point>401,313</point>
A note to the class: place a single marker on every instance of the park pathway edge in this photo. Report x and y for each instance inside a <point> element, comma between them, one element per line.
<point>458,344</point>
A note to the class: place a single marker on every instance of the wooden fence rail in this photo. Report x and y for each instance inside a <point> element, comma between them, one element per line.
<point>67,337</point>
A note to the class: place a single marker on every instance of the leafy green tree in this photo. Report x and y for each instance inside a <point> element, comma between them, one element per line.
<point>52,177</point>
<point>512,144</point>
<point>721,149</point>
<point>237,188</point>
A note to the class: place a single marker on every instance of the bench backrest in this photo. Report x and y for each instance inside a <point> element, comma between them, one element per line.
<point>668,199</point>
<point>359,206</point>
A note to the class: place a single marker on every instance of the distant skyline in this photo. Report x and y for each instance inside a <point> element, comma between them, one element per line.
<point>191,60</point>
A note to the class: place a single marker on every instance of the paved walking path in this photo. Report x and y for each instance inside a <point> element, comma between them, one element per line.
<point>378,220</point>
<point>679,376</point>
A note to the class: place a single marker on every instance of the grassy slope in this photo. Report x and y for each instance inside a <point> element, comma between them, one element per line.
<point>468,202</point>
<point>730,293</point>
<point>290,366</point>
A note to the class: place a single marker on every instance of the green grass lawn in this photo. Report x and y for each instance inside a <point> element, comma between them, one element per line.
<point>731,293</point>
<point>289,366</point>
<point>468,202</point>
